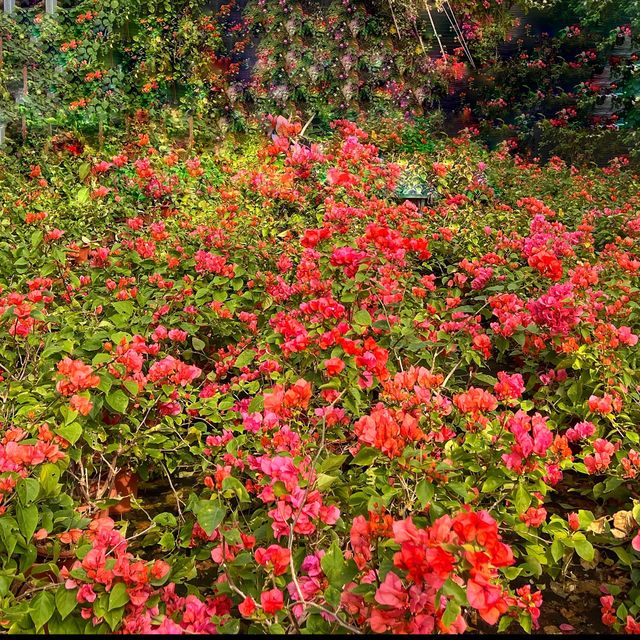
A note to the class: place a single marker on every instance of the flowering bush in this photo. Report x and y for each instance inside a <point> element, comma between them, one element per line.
<point>255,392</point>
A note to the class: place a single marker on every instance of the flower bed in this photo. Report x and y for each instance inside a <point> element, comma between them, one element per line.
<point>360,416</point>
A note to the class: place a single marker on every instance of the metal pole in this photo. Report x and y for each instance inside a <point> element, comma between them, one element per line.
<point>50,6</point>
<point>3,128</point>
<point>9,6</point>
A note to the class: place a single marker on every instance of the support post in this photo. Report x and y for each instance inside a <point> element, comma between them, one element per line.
<point>9,6</point>
<point>51,6</point>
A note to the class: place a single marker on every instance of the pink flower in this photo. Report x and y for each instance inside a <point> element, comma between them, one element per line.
<point>86,594</point>
<point>391,592</point>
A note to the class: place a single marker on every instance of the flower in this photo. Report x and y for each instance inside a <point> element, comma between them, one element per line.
<point>272,601</point>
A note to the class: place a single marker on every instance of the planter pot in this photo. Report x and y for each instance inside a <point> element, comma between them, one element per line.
<point>125,485</point>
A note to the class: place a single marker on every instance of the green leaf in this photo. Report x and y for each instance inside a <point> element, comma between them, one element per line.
<point>165,519</point>
<point>41,609</point>
<point>455,591</point>
<point>504,623</point>
<point>362,317</point>
<point>233,484</point>
<point>113,617</point>
<point>209,516</point>
<point>118,401</point>
<point>167,541</point>
<point>366,456</point>
<point>132,387</point>
<point>49,476</point>
<point>65,601</point>
<point>257,404</point>
<point>333,565</point>
<point>451,613</point>
<point>118,596</point>
<point>425,492</point>
<point>83,195</point>
<point>584,549</point>
<point>83,170</point>
<point>28,489</point>
<point>331,462</point>
<point>623,555</point>
<point>523,499</point>
<point>197,344</point>
<point>557,550</point>
<point>245,358</point>
<point>70,432</point>
<point>27,518</point>
<point>492,483</point>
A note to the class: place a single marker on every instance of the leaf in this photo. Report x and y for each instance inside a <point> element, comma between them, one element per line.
<point>492,483</point>
<point>557,550</point>
<point>49,476</point>
<point>333,564</point>
<point>584,549</point>
<point>257,404</point>
<point>28,489</point>
<point>118,596</point>
<point>362,317</point>
<point>27,518</point>
<point>41,609</point>
<point>165,519</point>
<point>118,400</point>
<point>83,171</point>
<point>366,456</point>
<point>197,344</point>
<point>425,492</point>
<point>132,387</point>
<point>451,613</point>
<point>70,432</point>
<point>113,617</point>
<point>455,591</point>
<point>245,358</point>
<point>331,462</point>
<point>209,516</point>
<point>523,499</point>
<point>65,601</point>
<point>167,541</point>
<point>597,526</point>
<point>83,195</point>
<point>624,522</point>
<point>233,484</point>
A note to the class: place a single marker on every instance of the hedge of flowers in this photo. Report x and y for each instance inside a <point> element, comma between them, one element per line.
<point>256,391</point>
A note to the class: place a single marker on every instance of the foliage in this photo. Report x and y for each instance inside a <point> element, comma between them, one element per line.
<point>360,416</point>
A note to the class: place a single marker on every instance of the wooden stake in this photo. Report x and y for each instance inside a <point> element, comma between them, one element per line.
<point>1,51</point>
<point>190,131</point>
<point>433,26</point>
<point>395,22</point>
<point>25,88</point>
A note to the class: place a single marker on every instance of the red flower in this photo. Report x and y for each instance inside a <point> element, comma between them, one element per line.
<point>276,556</point>
<point>247,607</point>
<point>334,366</point>
<point>272,601</point>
